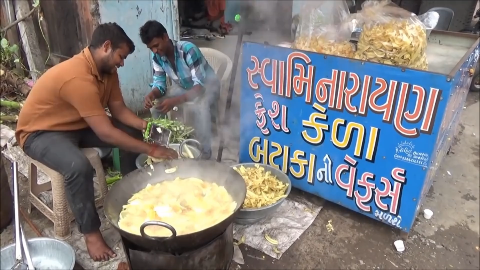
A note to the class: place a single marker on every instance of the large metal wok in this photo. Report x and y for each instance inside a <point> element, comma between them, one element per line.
<point>135,181</point>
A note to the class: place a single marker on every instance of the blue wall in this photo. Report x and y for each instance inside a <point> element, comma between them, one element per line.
<point>136,75</point>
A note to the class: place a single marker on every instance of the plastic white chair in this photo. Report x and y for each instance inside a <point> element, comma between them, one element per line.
<point>446,17</point>
<point>216,59</point>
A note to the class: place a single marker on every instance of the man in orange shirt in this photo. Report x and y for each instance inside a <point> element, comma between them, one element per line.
<point>65,111</point>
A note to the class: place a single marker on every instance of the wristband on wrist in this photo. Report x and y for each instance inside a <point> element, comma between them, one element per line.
<point>146,134</point>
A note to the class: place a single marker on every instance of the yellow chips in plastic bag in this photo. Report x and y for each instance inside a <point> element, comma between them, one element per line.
<point>392,40</point>
<point>325,27</point>
<point>322,45</point>
<point>263,188</point>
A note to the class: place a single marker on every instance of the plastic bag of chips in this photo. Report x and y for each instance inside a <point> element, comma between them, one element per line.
<point>430,20</point>
<point>391,35</point>
<point>325,27</point>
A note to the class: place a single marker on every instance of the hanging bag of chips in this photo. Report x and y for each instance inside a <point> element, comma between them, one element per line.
<point>391,35</point>
<point>325,27</point>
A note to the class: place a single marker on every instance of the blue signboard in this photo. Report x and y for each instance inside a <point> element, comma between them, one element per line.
<point>355,133</point>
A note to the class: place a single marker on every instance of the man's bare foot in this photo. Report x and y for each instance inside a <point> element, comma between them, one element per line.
<point>97,248</point>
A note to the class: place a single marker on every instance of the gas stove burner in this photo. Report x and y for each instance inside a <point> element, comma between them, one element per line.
<point>217,254</point>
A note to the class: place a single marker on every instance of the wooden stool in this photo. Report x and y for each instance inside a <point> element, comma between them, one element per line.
<point>61,215</point>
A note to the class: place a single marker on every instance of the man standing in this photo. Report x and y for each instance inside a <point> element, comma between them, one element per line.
<point>65,111</point>
<point>193,78</point>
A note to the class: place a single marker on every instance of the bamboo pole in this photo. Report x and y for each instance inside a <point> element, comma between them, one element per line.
<point>11,104</point>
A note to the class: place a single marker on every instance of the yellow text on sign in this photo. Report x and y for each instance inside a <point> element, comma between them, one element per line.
<point>259,152</point>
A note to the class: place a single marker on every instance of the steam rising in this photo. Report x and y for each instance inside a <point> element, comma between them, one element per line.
<point>269,21</point>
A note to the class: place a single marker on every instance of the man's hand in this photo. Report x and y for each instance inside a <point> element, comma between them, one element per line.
<point>162,152</point>
<point>167,104</point>
<point>148,103</point>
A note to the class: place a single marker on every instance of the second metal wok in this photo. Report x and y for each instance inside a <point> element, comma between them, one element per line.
<point>209,171</point>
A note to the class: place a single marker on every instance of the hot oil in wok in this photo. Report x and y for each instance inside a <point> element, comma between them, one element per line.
<point>189,205</point>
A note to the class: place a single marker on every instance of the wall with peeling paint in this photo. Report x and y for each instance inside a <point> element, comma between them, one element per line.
<point>136,75</point>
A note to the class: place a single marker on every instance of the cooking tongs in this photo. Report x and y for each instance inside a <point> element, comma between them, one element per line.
<point>21,244</point>
<point>157,134</point>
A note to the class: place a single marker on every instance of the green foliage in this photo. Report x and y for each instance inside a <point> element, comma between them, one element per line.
<point>9,53</point>
<point>180,132</point>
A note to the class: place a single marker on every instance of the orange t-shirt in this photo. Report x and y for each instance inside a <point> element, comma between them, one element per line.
<point>64,95</point>
<point>214,7</point>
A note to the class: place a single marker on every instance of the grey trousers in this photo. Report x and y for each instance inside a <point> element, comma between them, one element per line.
<point>60,151</point>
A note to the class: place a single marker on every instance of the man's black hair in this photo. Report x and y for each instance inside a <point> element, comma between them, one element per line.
<point>150,30</point>
<point>112,32</point>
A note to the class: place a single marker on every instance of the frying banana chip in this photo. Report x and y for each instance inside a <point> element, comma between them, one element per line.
<point>263,188</point>
<point>399,42</point>
<point>182,203</point>
<point>151,160</point>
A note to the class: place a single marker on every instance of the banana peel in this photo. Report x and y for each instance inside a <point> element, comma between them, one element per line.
<point>271,240</point>
<point>274,243</point>
<point>241,241</point>
<point>329,226</point>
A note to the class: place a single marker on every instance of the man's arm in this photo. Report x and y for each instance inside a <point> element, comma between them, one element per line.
<point>102,126</point>
<point>119,110</point>
<point>123,114</point>
<point>83,95</point>
<point>159,84</point>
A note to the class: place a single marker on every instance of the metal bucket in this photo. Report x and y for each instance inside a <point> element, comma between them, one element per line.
<point>247,216</point>
<point>46,253</point>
